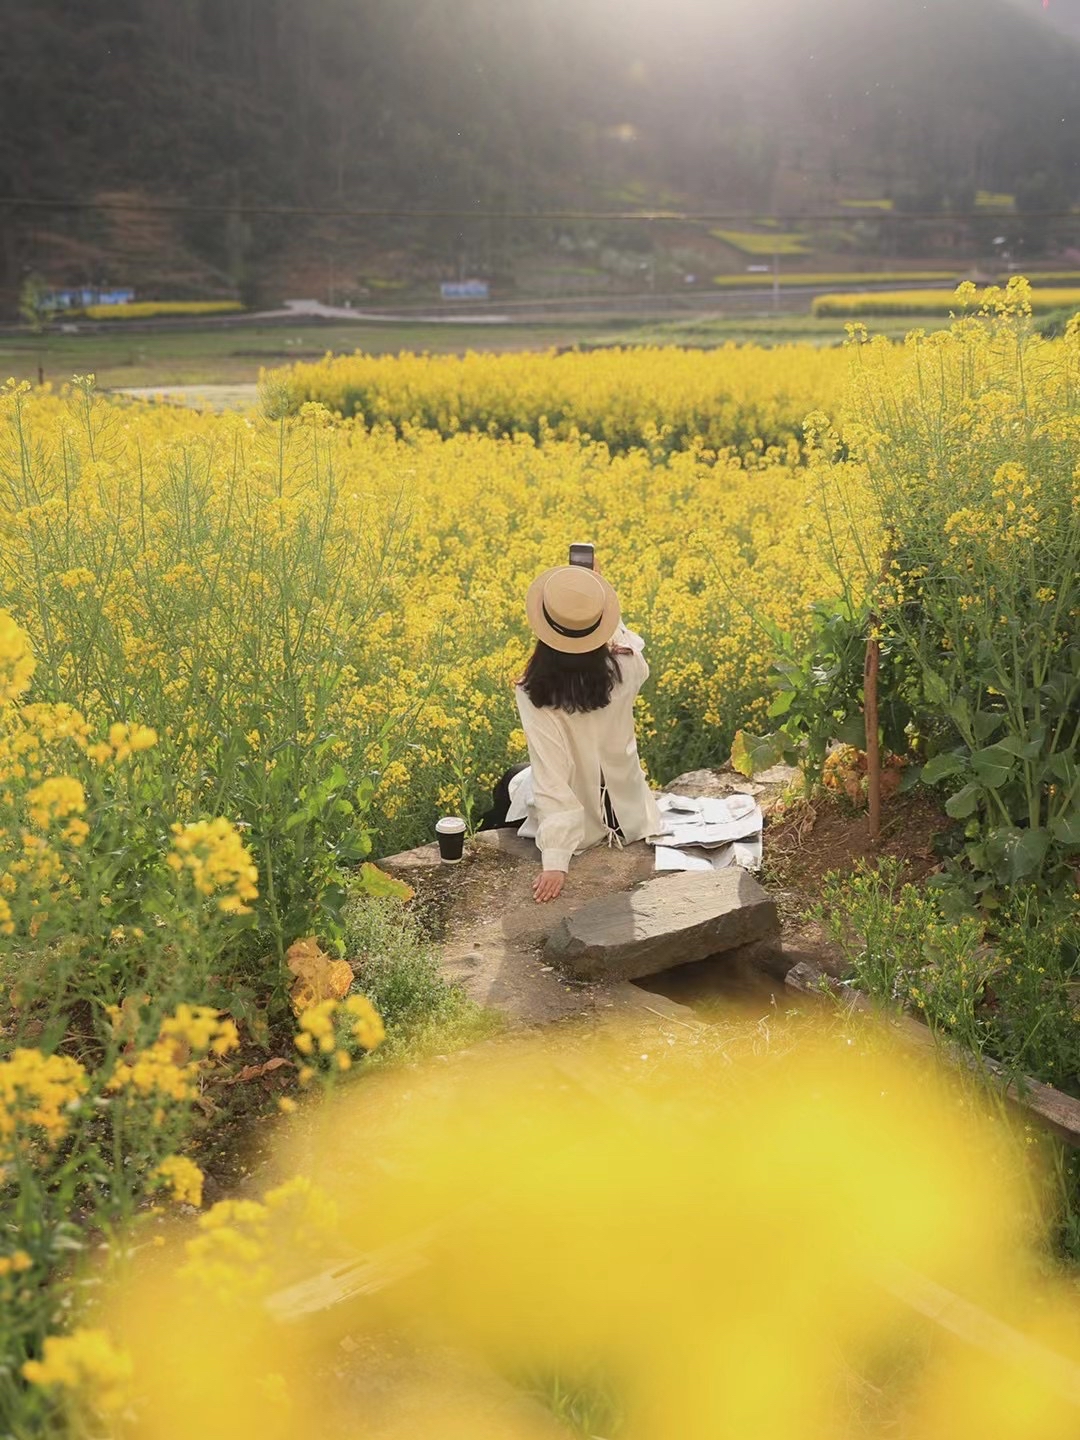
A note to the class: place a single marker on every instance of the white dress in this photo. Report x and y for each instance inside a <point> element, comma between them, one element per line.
<point>575,759</point>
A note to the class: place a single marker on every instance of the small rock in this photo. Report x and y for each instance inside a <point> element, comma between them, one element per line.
<point>669,921</point>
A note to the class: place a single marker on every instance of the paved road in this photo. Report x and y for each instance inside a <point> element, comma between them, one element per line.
<point>673,305</point>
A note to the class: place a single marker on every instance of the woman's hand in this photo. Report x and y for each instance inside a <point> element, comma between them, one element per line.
<point>548,885</point>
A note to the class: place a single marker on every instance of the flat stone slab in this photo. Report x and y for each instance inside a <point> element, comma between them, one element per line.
<point>672,920</point>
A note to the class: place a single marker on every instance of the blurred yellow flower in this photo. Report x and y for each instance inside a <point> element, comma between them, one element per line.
<point>183,1178</point>
<point>88,1364</point>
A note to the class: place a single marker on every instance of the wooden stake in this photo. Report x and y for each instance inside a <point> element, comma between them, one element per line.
<point>873,748</point>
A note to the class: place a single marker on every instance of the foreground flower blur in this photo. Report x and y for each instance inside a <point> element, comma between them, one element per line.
<point>728,1234</point>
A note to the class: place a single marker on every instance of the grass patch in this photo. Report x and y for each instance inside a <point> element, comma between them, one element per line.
<point>751,242</point>
<point>225,354</point>
<point>397,968</point>
<point>587,1405</point>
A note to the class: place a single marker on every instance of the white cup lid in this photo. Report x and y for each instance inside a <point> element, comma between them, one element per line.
<point>450,825</point>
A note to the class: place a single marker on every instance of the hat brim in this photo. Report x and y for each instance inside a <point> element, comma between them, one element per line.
<point>568,644</point>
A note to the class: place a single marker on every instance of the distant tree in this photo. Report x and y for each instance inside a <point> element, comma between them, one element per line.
<point>923,196</point>
<point>1038,196</point>
<point>32,306</point>
<point>543,104</point>
<point>35,313</point>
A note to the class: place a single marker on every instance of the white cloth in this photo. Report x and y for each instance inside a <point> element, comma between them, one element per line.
<point>709,833</point>
<point>574,759</point>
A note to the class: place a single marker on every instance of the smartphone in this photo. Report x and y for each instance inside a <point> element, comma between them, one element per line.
<point>582,555</point>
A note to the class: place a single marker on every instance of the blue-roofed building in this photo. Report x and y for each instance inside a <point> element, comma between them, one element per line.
<point>78,299</point>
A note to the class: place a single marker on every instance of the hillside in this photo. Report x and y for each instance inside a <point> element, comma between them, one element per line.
<point>1063,15</point>
<point>786,106</point>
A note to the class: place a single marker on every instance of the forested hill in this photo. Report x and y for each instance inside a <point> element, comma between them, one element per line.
<point>763,104</point>
<point>1061,15</point>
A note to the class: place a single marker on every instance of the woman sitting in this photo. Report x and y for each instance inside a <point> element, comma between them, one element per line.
<point>584,783</point>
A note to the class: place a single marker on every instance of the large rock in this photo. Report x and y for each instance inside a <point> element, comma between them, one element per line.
<point>668,921</point>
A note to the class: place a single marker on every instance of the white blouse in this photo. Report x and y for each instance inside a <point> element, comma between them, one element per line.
<point>574,758</point>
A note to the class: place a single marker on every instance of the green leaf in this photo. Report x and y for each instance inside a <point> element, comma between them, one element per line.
<point>939,767</point>
<point>1022,749</point>
<point>782,704</point>
<point>993,765</point>
<point>1063,768</point>
<point>959,712</point>
<point>332,902</point>
<point>1059,687</point>
<point>377,883</point>
<point>964,802</point>
<point>1018,854</point>
<point>896,718</point>
<point>985,722</point>
<point>853,731</point>
<point>786,671</point>
<point>1066,828</point>
<point>935,689</point>
<point>909,779</point>
<point>750,754</point>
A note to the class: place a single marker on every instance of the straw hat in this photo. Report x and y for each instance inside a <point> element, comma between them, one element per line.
<point>572,609</point>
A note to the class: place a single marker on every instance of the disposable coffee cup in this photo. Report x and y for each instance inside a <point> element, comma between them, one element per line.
<point>450,832</point>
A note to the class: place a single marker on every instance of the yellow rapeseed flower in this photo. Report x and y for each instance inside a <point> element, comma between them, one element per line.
<point>55,799</point>
<point>15,1264</point>
<point>218,862</point>
<point>16,659</point>
<point>130,740</point>
<point>87,1364</point>
<point>183,1177</point>
<point>38,1092</point>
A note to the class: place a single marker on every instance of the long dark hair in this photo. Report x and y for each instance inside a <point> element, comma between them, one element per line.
<point>574,683</point>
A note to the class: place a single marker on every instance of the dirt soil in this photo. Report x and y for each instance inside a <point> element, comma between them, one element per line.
<point>812,839</point>
<point>492,933</point>
<point>491,930</point>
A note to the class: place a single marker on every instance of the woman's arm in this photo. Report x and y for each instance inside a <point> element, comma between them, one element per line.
<point>630,650</point>
<point>560,815</point>
<point>625,642</point>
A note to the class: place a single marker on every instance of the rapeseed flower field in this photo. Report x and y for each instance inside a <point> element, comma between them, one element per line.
<point>243,586</point>
<point>934,302</point>
<point>239,654</point>
<point>656,398</point>
<point>160,309</point>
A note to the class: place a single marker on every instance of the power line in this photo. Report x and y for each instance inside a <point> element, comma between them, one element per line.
<point>167,207</point>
